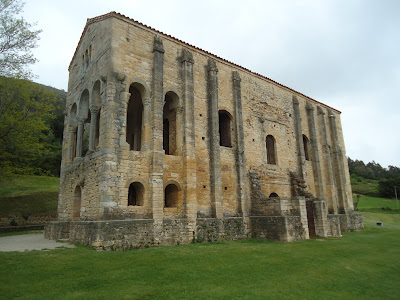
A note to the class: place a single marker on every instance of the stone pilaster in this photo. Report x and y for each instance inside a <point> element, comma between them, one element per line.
<point>146,123</point>
<point>338,167</point>
<point>299,139</point>
<point>243,194</point>
<point>215,154</point>
<point>319,187</point>
<point>189,151</point>
<point>156,186</point>
<point>320,218</point>
<point>300,203</point>
<point>330,182</point>
<point>79,141</point>
<point>93,125</point>
<point>71,142</point>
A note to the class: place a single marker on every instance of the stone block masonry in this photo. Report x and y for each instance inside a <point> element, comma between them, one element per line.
<point>166,144</point>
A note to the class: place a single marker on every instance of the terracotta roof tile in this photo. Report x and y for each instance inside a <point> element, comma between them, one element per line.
<point>115,14</point>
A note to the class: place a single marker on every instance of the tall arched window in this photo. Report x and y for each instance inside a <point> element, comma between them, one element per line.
<point>169,123</point>
<point>134,119</point>
<point>271,151</point>
<point>135,194</point>
<point>306,144</point>
<point>171,196</point>
<point>224,129</point>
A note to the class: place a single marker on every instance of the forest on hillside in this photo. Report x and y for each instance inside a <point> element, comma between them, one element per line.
<point>31,127</point>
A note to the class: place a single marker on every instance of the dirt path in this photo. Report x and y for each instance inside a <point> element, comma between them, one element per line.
<point>27,242</point>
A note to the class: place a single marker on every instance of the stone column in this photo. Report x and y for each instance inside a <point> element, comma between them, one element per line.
<point>215,155</point>
<point>93,125</point>
<point>71,143</point>
<point>156,138</point>
<point>338,169</point>
<point>243,193</point>
<point>179,130</point>
<point>79,141</point>
<point>263,137</point>
<point>320,218</point>
<point>189,152</point>
<point>299,139</point>
<point>146,121</point>
<point>332,200</point>
<point>300,203</point>
<point>319,188</point>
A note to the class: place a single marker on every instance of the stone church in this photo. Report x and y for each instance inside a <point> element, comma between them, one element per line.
<point>166,144</point>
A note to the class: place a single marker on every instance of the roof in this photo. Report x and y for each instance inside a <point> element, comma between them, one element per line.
<point>123,17</point>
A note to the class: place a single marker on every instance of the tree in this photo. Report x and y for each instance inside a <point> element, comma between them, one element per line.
<point>25,118</point>
<point>17,40</point>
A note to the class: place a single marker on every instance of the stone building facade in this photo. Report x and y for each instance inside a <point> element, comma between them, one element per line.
<point>165,143</point>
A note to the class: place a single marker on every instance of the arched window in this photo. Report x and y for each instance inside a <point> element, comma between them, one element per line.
<point>271,152</point>
<point>169,123</point>
<point>171,196</point>
<point>273,195</point>
<point>134,119</point>
<point>135,194</point>
<point>76,204</point>
<point>224,129</point>
<point>306,144</point>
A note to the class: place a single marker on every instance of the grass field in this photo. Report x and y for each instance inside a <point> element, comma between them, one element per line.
<point>26,194</point>
<point>375,204</point>
<point>364,186</point>
<point>360,265</point>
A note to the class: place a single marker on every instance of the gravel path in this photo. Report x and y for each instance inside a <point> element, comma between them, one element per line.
<point>27,242</point>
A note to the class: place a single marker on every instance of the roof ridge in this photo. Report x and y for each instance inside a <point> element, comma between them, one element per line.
<point>116,14</point>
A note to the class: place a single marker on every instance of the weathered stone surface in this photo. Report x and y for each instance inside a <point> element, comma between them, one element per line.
<point>142,159</point>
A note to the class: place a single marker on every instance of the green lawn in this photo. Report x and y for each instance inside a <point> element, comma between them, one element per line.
<point>375,204</point>
<point>360,265</point>
<point>26,194</point>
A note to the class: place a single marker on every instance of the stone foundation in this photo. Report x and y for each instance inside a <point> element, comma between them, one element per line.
<point>136,234</point>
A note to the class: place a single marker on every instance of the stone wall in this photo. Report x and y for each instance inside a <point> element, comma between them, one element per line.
<point>216,176</point>
<point>32,219</point>
<point>135,234</point>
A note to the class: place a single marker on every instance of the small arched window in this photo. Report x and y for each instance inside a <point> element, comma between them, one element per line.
<point>273,195</point>
<point>135,194</point>
<point>271,152</point>
<point>224,129</point>
<point>306,144</point>
<point>171,196</point>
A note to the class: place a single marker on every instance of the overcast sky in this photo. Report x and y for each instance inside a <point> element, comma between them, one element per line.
<point>344,53</point>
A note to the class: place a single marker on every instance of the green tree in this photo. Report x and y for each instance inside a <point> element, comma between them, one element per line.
<point>386,187</point>
<point>17,39</point>
<point>25,118</point>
